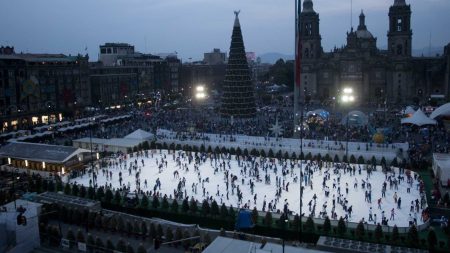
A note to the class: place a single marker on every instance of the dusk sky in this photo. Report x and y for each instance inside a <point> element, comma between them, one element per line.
<point>192,27</point>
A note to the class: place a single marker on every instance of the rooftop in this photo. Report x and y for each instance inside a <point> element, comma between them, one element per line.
<point>39,152</point>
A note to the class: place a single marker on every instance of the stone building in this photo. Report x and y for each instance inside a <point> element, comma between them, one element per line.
<point>376,76</point>
<point>41,88</point>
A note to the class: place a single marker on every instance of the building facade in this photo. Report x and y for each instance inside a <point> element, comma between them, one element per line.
<point>216,57</point>
<point>41,88</point>
<point>391,76</point>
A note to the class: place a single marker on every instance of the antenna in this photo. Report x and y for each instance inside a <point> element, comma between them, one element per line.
<point>351,14</point>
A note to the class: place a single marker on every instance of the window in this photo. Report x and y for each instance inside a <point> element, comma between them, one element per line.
<point>399,24</point>
<point>115,50</point>
<point>103,51</point>
<point>108,51</point>
<point>306,52</point>
<point>308,29</point>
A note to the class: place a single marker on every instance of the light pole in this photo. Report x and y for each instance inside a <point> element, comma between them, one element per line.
<point>200,95</point>
<point>347,98</point>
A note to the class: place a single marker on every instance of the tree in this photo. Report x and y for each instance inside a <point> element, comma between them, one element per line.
<point>169,234</point>
<point>268,219</point>
<point>113,224</point>
<point>336,159</point>
<point>137,227</point>
<point>98,221</point>
<point>80,236</point>
<point>432,239</point>
<point>270,154</point>
<point>341,228</point>
<point>327,225</point>
<point>82,191</point>
<point>207,238</point>
<point>120,225</point>
<point>165,203</point>
<point>67,189</point>
<point>90,242</point>
<point>308,156</point>
<point>193,206</point>
<point>185,206</point>
<point>141,249</point>
<point>121,246</point>
<point>223,211</point>
<point>232,213</point>
<point>255,215</point>
<point>159,231</point>
<point>91,193</point>
<point>99,243</point>
<point>205,207</point>
<point>361,160</point>
<point>109,244</point>
<point>186,243</point>
<point>144,201</point>
<point>144,229</point>
<point>378,233</point>
<point>352,159</point>
<point>174,206</point>
<point>70,236</point>
<point>360,230</point>
<point>130,248</point>
<point>152,230</point>
<point>178,236</point>
<point>309,226</point>
<point>395,234</point>
<point>155,202</point>
<point>129,228</point>
<point>108,196</point>
<point>413,236</point>
<point>75,190</point>
<point>222,232</point>
<point>214,208</point>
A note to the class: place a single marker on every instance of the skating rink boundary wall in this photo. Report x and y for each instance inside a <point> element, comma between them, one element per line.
<point>314,147</point>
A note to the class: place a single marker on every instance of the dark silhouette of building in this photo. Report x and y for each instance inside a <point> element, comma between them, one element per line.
<point>41,88</point>
<point>238,99</point>
<point>377,76</point>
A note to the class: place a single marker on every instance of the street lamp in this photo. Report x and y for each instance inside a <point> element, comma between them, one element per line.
<point>347,98</point>
<point>200,95</point>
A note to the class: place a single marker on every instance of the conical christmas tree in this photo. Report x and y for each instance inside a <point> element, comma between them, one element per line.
<point>238,98</point>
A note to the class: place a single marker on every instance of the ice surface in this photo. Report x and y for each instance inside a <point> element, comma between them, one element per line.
<point>355,196</point>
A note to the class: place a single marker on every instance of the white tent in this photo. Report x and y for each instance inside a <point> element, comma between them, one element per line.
<point>443,110</point>
<point>441,168</point>
<point>140,135</point>
<point>419,119</point>
<point>355,118</point>
<point>409,110</point>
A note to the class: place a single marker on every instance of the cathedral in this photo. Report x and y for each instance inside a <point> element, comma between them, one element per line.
<point>391,76</point>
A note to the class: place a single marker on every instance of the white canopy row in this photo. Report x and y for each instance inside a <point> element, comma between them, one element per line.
<point>419,119</point>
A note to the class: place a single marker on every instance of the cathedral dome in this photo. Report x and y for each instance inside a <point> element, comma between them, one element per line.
<point>363,34</point>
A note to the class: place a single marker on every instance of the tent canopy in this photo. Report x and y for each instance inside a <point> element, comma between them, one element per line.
<point>355,118</point>
<point>443,110</point>
<point>419,119</point>
<point>409,110</point>
<point>319,112</point>
<point>139,135</point>
<point>441,167</point>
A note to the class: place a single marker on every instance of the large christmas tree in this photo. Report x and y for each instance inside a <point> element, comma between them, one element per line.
<point>238,98</point>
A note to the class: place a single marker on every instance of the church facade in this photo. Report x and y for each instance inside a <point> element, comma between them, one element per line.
<point>391,76</point>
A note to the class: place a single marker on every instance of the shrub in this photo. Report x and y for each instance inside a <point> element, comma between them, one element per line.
<point>174,206</point>
<point>309,226</point>
<point>361,160</point>
<point>395,234</point>
<point>342,228</point>
<point>336,159</point>
<point>413,236</point>
<point>378,233</point>
<point>121,246</point>
<point>327,225</point>
<point>432,239</point>
<point>214,208</point>
<point>360,230</point>
<point>352,159</point>
<point>268,219</point>
<point>223,211</point>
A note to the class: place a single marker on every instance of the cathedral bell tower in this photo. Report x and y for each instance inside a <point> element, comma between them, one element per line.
<point>310,35</point>
<point>400,33</point>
